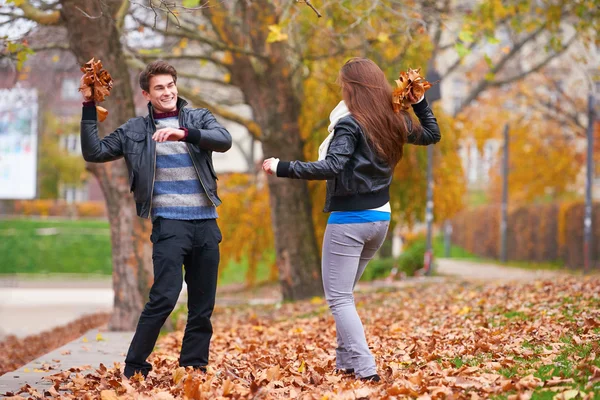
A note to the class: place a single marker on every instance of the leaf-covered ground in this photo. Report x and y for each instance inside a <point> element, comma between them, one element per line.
<point>15,352</point>
<point>442,341</point>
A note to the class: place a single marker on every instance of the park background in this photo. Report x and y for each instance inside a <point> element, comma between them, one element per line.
<point>514,181</point>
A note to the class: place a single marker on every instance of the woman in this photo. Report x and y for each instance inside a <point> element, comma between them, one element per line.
<point>358,164</point>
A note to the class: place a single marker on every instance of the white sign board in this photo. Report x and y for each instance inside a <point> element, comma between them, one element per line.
<point>18,143</point>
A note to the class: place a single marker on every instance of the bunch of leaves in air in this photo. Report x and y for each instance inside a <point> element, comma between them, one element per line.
<point>96,84</point>
<point>409,82</point>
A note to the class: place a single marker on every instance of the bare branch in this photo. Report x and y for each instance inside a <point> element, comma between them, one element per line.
<point>204,79</point>
<point>438,33</point>
<point>186,32</point>
<point>168,8</point>
<point>159,56</point>
<point>11,20</point>
<point>253,127</point>
<point>88,15</point>
<point>308,3</point>
<point>456,63</point>
<point>485,83</point>
<point>121,14</point>
<point>538,67</point>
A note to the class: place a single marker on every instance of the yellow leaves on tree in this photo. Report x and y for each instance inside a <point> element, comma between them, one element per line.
<point>409,82</point>
<point>96,85</point>
<point>276,34</point>
<point>245,222</point>
<point>409,186</point>
<point>543,163</point>
<point>544,158</point>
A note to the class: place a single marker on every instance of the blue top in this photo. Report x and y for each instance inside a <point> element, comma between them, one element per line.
<point>358,217</point>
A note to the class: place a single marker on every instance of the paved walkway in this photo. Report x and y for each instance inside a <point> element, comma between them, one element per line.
<point>489,272</point>
<point>31,306</point>
<point>89,350</point>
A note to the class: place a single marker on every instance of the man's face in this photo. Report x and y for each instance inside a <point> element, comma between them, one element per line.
<point>162,94</point>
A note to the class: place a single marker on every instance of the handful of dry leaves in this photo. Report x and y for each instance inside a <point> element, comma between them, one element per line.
<point>410,81</point>
<point>96,85</point>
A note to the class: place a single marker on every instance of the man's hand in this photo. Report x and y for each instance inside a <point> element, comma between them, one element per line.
<point>270,165</point>
<point>168,134</point>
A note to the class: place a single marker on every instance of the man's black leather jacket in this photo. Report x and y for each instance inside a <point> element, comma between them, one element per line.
<point>133,141</point>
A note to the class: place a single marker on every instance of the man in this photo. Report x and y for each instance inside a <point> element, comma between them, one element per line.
<point>169,159</point>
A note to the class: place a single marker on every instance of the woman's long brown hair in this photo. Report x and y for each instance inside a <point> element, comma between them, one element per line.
<point>368,95</point>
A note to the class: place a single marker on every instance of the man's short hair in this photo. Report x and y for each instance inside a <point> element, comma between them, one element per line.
<point>158,67</point>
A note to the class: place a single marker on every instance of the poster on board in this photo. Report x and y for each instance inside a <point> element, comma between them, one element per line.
<point>18,143</point>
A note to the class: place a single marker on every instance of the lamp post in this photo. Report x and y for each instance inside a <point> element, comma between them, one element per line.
<point>504,207</point>
<point>589,181</point>
<point>434,94</point>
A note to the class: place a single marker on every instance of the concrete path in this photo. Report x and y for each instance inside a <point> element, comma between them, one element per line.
<point>28,307</point>
<point>91,349</point>
<point>479,271</point>
<point>28,311</point>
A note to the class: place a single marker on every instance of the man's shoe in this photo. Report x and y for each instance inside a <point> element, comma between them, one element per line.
<point>130,373</point>
<point>371,378</point>
<point>201,368</point>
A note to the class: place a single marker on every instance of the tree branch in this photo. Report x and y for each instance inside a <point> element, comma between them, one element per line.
<point>43,18</point>
<point>150,57</point>
<point>456,63</point>
<point>121,14</point>
<point>191,34</point>
<point>253,127</point>
<point>537,67</point>
<point>204,79</point>
<point>484,83</point>
<point>308,3</point>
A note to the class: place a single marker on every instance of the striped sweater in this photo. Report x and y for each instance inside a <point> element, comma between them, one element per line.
<point>178,193</point>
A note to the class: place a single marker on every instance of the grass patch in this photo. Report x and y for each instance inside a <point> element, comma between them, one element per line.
<point>517,315</point>
<point>236,271</point>
<point>409,261</point>
<point>439,250</point>
<point>55,246</point>
<point>564,366</point>
<point>82,247</point>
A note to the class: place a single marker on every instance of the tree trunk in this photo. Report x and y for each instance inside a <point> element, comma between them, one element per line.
<point>96,35</point>
<point>297,255</point>
<point>276,109</point>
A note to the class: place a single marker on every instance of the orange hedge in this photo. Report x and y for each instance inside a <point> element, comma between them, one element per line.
<point>537,232</point>
<point>55,208</point>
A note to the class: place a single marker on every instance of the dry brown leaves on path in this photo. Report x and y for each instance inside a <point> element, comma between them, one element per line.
<point>439,341</point>
<point>15,352</point>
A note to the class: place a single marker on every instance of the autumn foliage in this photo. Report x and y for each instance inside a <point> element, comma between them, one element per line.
<point>56,208</point>
<point>245,222</point>
<point>536,232</point>
<point>450,340</point>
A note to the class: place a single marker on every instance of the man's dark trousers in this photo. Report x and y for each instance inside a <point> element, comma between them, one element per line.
<point>194,244</point>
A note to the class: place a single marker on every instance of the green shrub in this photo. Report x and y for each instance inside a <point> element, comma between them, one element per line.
<point>409,261</point>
